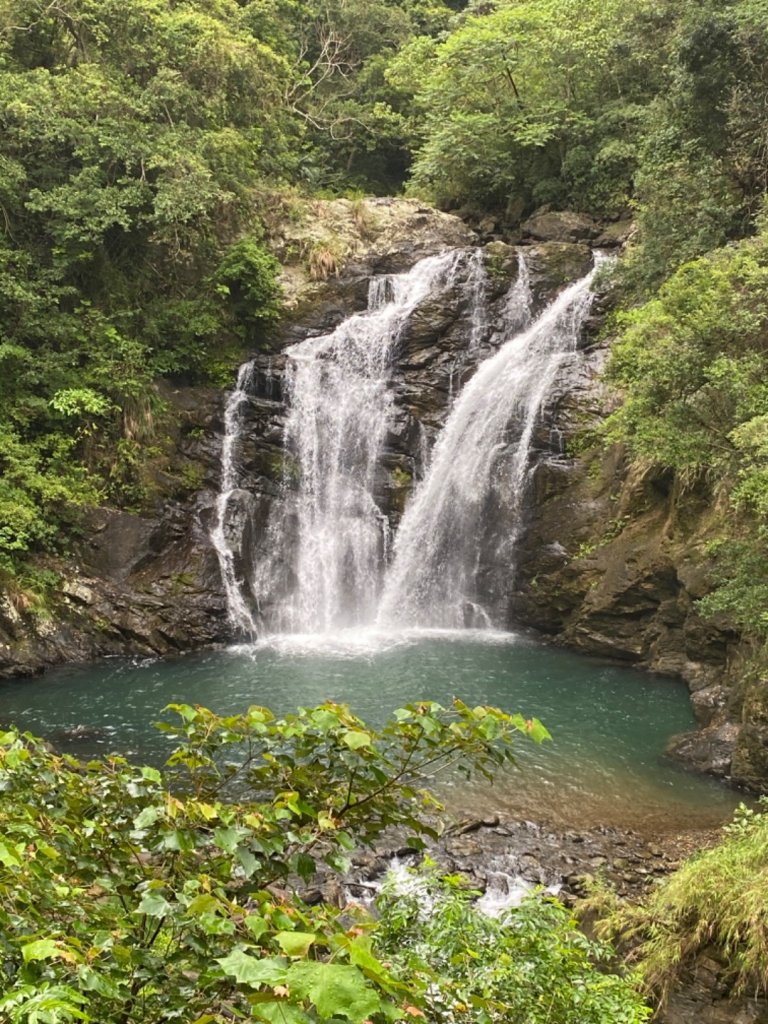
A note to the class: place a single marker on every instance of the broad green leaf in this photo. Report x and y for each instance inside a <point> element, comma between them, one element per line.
<point>41,949</point>
<point>279,1011</point>
<point>537,731</point>
<point>256,925</point>
<point>226,839</point>
<point>295,943</point>
<point>153,904</point>
<point>7,856</point>
<point>146,817</point>
<point>305,866</point>
<point>204,904</point>
<point>336,990</point>
<point>355,739</point>
<point>253,971</point>
<point>248,861</point>
<point>92,980</point>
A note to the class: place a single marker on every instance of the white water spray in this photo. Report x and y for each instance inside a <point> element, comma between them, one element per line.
<point>226,534</point>
<point>321,560</point>
<point>433,578</point>
<point>328,540</point>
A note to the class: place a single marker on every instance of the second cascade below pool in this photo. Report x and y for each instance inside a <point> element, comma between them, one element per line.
<point>605,765</point>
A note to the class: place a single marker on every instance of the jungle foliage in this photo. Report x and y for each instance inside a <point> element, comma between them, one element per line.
<point>133,895</point>
<point>140,145</point>
<point>693,364</point>
<point>144,146</point>
<point>531,964</point>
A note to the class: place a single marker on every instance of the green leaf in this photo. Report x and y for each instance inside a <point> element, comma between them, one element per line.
<point>8,858</point>
<point>336,990</point>
<point>305,866</point>
<point>226,839</point>
<point>250,970</point>
<point>203,904</point>
<point>146,817</point>
<point>153,904</point>
<point>256,925</point>
<point>279,1011</point>
<point>355,739</point>
<point>41,949</point>
<point>92,981</point>
<point>295,943</point>
<point>537,731</point>
<point>248,861</point>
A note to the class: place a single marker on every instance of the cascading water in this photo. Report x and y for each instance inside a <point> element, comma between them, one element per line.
<point>227,532</point>
<point>433,577</point>
<point>328,540</point>
<point>320,563</point>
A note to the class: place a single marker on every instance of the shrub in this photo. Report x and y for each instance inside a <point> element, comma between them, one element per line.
<point>131,895</point>
<point>531,966</point>
<point>718,898</point>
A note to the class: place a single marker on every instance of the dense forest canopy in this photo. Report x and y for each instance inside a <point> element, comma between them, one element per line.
<point>145,145</point>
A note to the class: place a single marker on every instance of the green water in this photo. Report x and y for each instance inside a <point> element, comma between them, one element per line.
<point>610,724</point>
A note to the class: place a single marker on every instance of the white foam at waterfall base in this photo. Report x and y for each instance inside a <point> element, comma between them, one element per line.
<point>505,889</point>
<point>432,581</point>
<point>364,642</point>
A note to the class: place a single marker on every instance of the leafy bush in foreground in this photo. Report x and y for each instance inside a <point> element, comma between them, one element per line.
<point>532,965</point>
<point>131,896</point>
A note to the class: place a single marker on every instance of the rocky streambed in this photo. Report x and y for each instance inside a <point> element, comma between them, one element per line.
<point>501,858</point>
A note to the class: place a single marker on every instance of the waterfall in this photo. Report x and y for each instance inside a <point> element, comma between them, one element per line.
<point>226,534</point>
<point>432,580</point>
<point>328,539</point>
<point>321,563</point>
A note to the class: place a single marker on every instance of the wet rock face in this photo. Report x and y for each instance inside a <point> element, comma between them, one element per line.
<point>613,563</point>
<point>137,585</point>
<point>704,997</point>
<point>604,562</point>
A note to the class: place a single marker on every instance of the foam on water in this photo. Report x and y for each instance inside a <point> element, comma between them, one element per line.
<point>364,641</point>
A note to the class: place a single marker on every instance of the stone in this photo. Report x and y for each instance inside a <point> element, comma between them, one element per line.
<point>708,702</point>
<point>78,592</point>
<point>709,750</point>
<point>117,542</point>
<point>561,226</point>
<point>615,235</point>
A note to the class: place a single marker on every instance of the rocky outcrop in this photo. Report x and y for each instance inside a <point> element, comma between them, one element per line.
<point>613,563</point>
<point>704,996</point>
<point>149,583</point>
<point>144,584</point>
<point>560,226</point>
<point>329,250</point>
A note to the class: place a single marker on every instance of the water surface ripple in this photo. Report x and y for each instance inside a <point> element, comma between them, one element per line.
<point>610,724</point>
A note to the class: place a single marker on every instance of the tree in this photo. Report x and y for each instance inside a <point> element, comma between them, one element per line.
<point>530,103</point>
<point>133,140</point>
